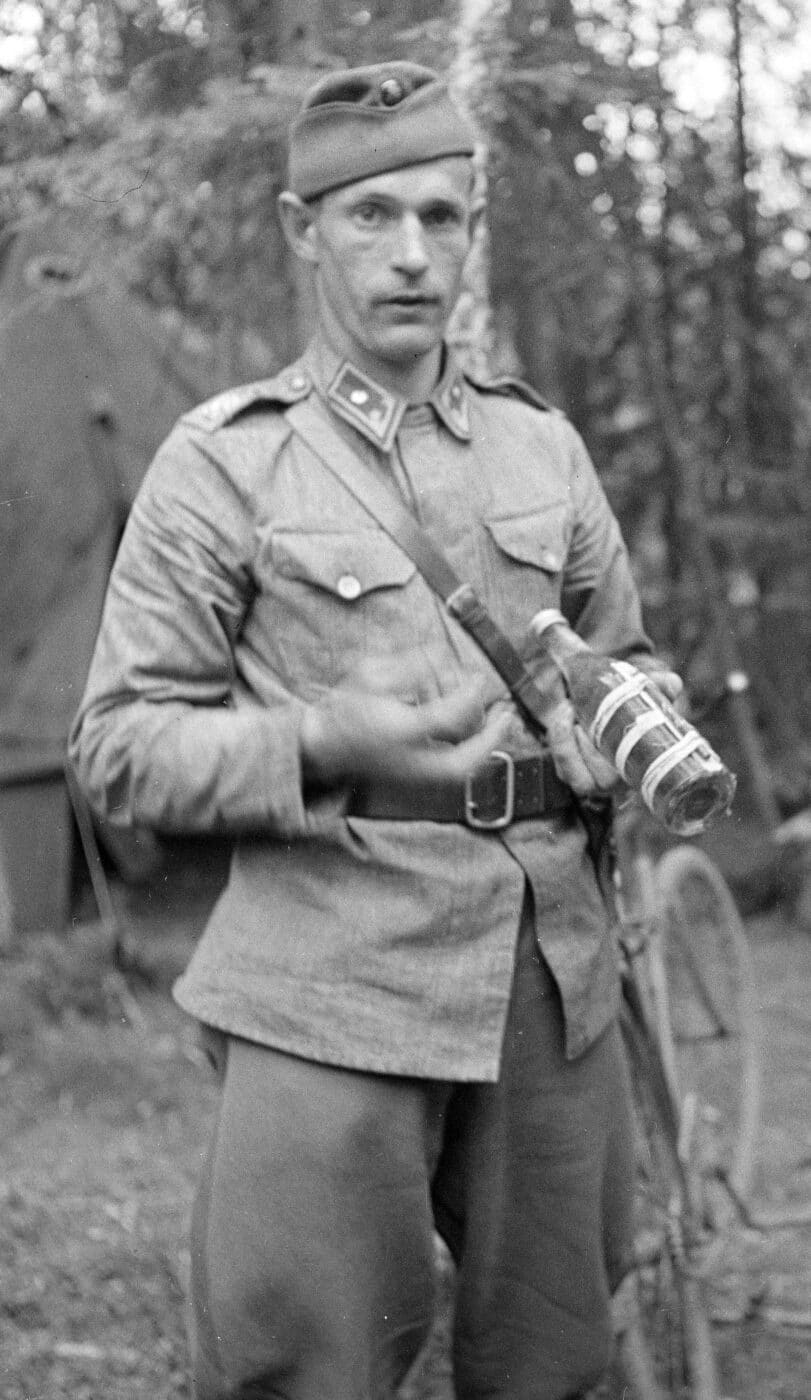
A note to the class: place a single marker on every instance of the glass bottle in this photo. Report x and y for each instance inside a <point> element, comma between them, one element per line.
<point>680,778</point>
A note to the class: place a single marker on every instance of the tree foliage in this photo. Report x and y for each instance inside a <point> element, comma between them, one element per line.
<point>651,257</point>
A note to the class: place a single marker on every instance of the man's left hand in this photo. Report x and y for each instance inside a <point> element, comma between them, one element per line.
<point>669,682</point>
<point>577,760</point>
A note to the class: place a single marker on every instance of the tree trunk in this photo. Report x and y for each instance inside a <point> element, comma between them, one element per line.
<point>474,78</point>
<point>749,403</point>
<point>669,482</point>
<point>251,32</point>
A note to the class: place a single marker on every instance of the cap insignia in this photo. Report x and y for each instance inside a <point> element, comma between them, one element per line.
<point>366,405</point>
<point>391,92</point>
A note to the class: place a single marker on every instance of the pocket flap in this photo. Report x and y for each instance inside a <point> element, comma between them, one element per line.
<point>537,537</point>
<point>347,564</point>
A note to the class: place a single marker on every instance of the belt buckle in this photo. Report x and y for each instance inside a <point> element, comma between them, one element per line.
<point>503,818</point>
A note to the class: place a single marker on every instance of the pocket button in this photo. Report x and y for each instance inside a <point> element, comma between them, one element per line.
<point>348,587</point>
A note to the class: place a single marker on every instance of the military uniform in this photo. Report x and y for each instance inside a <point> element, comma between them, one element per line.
<point>248,583</point>
<point>400,1053</point>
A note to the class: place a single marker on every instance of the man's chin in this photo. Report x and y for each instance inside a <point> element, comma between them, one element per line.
<point>405,344</point>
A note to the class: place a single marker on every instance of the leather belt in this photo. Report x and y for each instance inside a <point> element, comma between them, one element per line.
<point>504,790</point>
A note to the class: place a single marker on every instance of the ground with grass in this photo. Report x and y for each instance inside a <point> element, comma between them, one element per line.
<point>105,1108</point>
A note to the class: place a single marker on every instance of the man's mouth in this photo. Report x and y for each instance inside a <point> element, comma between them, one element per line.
<point>410,299</point>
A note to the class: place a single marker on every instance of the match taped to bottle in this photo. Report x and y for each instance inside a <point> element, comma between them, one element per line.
<point>666,762</point>
<point>634,684</point>
<point>651,719</point>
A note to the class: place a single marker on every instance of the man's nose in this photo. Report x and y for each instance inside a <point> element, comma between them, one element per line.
<point>410,252</point>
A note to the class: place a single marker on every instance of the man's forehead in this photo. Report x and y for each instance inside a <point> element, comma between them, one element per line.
<point>450,177</point>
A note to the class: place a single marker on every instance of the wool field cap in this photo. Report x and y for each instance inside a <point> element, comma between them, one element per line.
<point>365,121</point>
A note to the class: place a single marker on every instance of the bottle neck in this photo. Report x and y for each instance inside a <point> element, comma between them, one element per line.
<point>552,632</point>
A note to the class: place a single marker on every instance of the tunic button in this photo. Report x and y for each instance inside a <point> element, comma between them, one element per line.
<point>349,586</point>
<point>297,383</point>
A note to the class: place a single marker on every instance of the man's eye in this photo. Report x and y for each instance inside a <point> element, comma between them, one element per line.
<point>441,218</point>
<point>369,215</point>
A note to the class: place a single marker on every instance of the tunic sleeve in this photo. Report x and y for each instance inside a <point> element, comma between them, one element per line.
<point>599,595</point>
<point>162,738</point>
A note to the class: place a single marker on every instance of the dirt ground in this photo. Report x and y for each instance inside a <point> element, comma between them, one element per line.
<point>105,1107</point>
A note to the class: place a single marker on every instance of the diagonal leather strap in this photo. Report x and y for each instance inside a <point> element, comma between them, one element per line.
<point>460,598</point>
<point>376,497</point>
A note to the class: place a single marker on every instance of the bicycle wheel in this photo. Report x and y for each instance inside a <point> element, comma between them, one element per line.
<point>712,1012</point>
<point>669,1354</point>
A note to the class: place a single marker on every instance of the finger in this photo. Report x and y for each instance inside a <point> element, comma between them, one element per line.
<point>468,756</point>
<point>570,767</point>
<point>566,756</point>
<point>603,774</point>
<point>454,762</point>
<point>456,716</point>
<point>670,684</point>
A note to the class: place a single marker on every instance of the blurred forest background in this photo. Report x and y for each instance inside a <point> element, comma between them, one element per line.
<point>648,259</point>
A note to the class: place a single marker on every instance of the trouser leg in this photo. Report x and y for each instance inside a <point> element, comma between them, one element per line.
<point>620,1172</point>
<point>312,1235</point>
<point>312,1257</point>
<point>521,1194</point>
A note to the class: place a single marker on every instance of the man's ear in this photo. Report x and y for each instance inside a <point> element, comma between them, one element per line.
<point>476,215</point>
<point>298,221</point>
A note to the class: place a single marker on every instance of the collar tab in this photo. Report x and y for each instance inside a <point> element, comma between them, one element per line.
<point>451,403</point>
<point>366,405</point>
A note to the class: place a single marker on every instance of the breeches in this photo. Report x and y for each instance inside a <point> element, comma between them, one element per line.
<point>312,1234</point>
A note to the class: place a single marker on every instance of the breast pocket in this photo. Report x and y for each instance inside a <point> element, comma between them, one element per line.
<point>530,555</point>
<point>338,597</point>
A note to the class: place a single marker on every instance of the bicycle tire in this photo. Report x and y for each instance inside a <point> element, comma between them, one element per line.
<point>712,1012</point>
<point>677,1361</point>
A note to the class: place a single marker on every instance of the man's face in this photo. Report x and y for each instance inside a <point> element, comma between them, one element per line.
<point>389,253</point>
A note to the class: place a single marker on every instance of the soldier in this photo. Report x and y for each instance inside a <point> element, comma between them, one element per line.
<point>410,968</point>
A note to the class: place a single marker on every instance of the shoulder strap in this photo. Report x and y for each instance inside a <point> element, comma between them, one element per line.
<point>279,392</point>
<point>509,386</point>
<point>460,598</point>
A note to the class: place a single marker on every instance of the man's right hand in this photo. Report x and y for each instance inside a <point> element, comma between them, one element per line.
<point>389,725</point>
